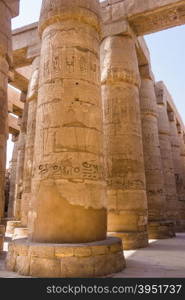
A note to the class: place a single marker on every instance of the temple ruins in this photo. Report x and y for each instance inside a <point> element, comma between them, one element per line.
<point>98,165</point>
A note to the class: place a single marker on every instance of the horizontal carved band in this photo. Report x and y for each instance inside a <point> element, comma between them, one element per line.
<point>114,75</point>
<point>77,14</point>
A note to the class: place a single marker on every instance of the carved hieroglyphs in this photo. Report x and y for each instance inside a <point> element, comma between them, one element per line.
<point>101,150</point>
<point>68,203</point>
<point>127,202</point>
<point>30,140</point>
<point>166,155</point>
<point>158,225</point>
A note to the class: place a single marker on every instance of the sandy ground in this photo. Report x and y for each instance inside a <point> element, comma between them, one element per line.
<point>163,258</point>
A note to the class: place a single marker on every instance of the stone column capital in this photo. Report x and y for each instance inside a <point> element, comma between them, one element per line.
<point>83,11</point>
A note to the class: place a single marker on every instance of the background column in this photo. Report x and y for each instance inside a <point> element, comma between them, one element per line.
<point>30,139</point>
<point>20,164</point>
<point>158,227</point>
<point>127,201</point>
<point>177,165</point>
<point>13,168</point>
<point>5,62</point>
<point>166,155</point>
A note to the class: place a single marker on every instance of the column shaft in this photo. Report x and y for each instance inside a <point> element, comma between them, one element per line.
<point>69,199</point>
<point>30,139</point>
<point>158,227</point>
<point>166,155</point>
<point>13,168</point>
<point>5,60</point>
<point>177,165</point>
<point>20,164</point>
<point>127,202</point>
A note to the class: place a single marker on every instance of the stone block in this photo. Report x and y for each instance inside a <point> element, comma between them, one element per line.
<point>22,265</point>
<point>37,250</point>
<point>83,252</point>
<point>79,267</point>
<point>44,267</point>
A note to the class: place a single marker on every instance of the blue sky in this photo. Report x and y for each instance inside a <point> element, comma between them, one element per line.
<point>167,49</point>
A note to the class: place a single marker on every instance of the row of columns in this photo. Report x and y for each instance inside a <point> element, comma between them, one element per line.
<point>67,218</point>
<point>101,154</point>
<point>5,63</point>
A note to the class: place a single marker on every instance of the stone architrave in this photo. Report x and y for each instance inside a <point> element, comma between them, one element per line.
<point>13,177</point>
<point>127,201</point>
<point>158,227</point>
<point>30,139</point>
<point>166,156</point>
<point>68,218</point>
<point>177,165</point>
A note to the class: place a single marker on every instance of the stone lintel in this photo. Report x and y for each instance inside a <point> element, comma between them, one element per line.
<point>26,45</point>
<point>13,124</point>
<point>121,27</point>
<point>145,16</point>
<point>20,82</point>
<point>15,106</point>
<point>151,16</point>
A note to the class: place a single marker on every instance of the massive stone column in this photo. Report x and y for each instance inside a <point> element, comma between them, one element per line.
<point>127,202</point>
<point>158,227</point>
<point>6,13</point>
<point>13,168</point>
<point>22,231</point>
<point>30,139</point>
<point>4,68</point>
<point>11,225</point>
<point>166,155</point>
<point>177,165</point>
<point>20,163</point>
<point>67,224</point>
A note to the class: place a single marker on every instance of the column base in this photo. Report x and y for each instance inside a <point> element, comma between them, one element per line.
<point>11,225</point>
<point>20,233</point>
<point>132,240</point>
<point>161,230</point>
<point>65,260</point>
<point>180,226</point>
<point>2,233</point>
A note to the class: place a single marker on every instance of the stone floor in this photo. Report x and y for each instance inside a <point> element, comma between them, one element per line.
<point>163,258</point>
